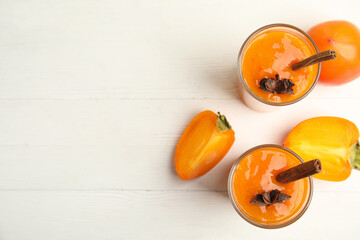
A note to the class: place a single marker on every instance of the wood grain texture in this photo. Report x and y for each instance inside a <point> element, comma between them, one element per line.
<point>113,215</point>
<point>118,144</point>
<point>145,49</point>
<point>94,96</point>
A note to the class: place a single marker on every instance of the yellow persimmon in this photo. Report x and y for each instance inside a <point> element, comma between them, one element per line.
<point>333,140</point>
<point>205,141</point>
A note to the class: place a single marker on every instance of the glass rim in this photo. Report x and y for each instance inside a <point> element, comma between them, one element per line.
<point>239,68</point>
<point>232,197</point>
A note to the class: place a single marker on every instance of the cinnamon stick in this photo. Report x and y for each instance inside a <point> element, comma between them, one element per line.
<point>317,58</point>
<point>300,171</point>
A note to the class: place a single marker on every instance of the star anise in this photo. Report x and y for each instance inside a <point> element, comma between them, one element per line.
<point>277,85</point>
<point>265,199</point>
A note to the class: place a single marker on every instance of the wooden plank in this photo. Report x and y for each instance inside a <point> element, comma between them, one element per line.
<point>72,50</point>
<point>44,215</point>
<point>130,144</point>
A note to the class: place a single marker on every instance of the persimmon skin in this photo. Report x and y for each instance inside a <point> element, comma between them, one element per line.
<point>329,139</point>
<point>201,146</point>
<point>344,38</point>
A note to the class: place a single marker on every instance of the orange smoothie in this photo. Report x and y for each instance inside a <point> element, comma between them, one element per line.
<point>255,174</point>
<point>273,52</point>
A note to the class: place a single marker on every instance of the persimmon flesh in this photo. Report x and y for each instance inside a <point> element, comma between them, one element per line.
<point>205,141</point>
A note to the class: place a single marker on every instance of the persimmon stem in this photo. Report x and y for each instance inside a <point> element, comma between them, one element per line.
<point>222,123</point>
<point>355,156</point>
<point>316,58</point>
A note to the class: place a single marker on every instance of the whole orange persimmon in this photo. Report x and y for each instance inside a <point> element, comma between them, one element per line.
<point>344,38</point>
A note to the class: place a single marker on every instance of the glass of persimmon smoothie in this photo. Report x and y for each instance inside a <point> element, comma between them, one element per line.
<point>269,53</point>
<point>255,174</point>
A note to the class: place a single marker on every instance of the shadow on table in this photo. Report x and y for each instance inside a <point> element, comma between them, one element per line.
<point>216,180</point>
<point>213,182</point>
<point>224,79</point>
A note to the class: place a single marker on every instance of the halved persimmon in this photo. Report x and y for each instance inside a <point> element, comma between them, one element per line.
<point>333,140</point>
<point>205,141</point>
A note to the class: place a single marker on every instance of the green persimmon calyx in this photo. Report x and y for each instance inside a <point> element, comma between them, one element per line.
<point>222,123</point>
<point>355,156</point>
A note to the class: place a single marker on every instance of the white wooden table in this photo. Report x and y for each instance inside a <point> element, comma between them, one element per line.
<point>94,96</point>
